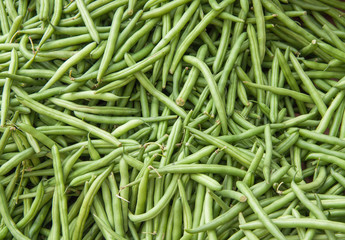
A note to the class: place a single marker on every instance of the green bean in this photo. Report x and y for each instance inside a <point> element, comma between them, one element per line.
<point>233,195</point>
<point>36,134</point>
<point>4,19</point>
<point>320,179</point>
<point>241,206</point>
<point>137,67</point>
<point>254,204</point>
<point>32,141</point>
<point>90,25</point>
<point>206,181</point>
<point>6,134</point>
<point>230,105</point>
<point>268,155</point>
<point>213,88</point>
<point>172,140</point>
<point>256,60</point>
<point>90,94</point>
<point>33,209</point>
<point>80,180</point>
<point>197,156</point>
<point>201,168</point>
<point>97,208</point>
<point>194,34</point>
<point>208,215</point>
<point>337,176</point>
<point>119,120</point>
<point>322,137</point>
<point>287,21</point>
<point>150,88</point>
<point>260,24</point>
<point>274,83</point>
<point>224,41</point>
<point>287,143</point>
<point>321,74</point>
<point>64,117</point>
<point>142,193</point>
<point>249,234</point>
<point>98,51</point>
<point>15,160</point>
<point>92,150</point>
<point>299,222</point>
<point>176,232</point>
<point>187,214</point>
<point>306,81</point>
<point>84,210</point>
<point>11,185</point>
<point>160,205</point>
<point>98,8</point>
<point>116,203</point>
<point>72,30</point>
<point>162,10</point>
<point>113,234</point>
<point>309,48</point>
<point>124,192</point>
<point>335,39</point>
<point>90,124</point>
<point>282,91</point>
<point>119,83</point>
<point>99,110</point>
<point>249,177</point>
<point>336,53</point>
<point>134,38</point>
<point>66,65</point>
<point>316,211</point>
<point>44,10</point>
<point>327,158</point>
<point>177,28</point>
<point>11,9</point>
<point>329,113</point>
<point>6,216</point>
<point>60,188</point>
<point>15,26</point>
<point>229,149</point>
<point>231,61</point>
<point>84,167</point>
<point>289,77</point>
<point>39,220</point>
<point>192,78</point>
<point>7,87</point>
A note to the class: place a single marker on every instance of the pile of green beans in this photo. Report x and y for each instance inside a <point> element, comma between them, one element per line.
<point>154,119</point>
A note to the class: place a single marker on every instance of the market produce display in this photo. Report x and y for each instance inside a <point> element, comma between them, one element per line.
<point>203,119</point>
